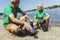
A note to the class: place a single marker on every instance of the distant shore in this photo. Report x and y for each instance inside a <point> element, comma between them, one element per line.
<point>50,23</point>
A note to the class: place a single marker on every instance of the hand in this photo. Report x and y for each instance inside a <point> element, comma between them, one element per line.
<point>34,23</point>
<point>26,24</point>
<point>46,17</point>
<point>31,20</point>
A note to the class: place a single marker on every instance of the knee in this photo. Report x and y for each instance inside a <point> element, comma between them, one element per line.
<point>14,29</point>
<point>23,18</point>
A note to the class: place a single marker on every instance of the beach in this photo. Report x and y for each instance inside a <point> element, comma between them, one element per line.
<point>52,34</point>
<point>12,10</point>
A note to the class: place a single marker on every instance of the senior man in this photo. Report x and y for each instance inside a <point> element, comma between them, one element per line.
<point>10,21</point>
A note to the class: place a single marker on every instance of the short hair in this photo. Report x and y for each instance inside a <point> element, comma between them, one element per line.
<point>40,5</point>
<point>13,1</point>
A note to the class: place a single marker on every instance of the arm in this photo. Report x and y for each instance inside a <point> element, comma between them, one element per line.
<point>47,16</point>
<point>24,14</point>
<point>35,17</point>
<point>15,20</point>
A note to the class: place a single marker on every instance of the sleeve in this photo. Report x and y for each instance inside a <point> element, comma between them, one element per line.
<point>35,13</point>
<point>19,10</point>
<point>8,12</point>
<point>45,12</point>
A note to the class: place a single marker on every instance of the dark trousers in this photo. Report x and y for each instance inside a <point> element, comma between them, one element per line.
<point>44,26</point>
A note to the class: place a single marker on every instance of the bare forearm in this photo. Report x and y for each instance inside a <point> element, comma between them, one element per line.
<point>28,17</point>
<point>24,14</point>
<point>34,17</point>
<point>15,20</point>
<point>47,15</point>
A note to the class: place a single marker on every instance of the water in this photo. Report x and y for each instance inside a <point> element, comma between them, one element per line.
<point>54,16</point>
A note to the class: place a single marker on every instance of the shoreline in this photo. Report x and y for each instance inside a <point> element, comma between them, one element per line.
<point>54,25</point>
<point>52,34</point>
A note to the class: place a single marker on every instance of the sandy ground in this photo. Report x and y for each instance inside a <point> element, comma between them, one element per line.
<point>52,34</point>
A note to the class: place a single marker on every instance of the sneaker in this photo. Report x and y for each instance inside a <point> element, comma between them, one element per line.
<point>23,32</point>
<point>33,32</point>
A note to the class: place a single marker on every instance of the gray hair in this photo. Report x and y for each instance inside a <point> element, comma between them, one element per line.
<point>13,1</point>
<point>40,5</point>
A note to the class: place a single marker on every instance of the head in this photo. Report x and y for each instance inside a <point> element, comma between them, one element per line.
<point>40,7</point>
<point>15,3</point>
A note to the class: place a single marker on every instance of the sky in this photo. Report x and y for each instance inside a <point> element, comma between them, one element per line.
<point>29,4</point>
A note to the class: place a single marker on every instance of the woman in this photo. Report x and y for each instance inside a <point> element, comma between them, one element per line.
<point>41,17</point>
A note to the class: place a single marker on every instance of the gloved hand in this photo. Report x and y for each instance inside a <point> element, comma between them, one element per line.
<point>46,17</point>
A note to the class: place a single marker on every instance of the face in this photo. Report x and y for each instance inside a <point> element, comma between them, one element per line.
<point>40,8</point>
<point>16,3</point>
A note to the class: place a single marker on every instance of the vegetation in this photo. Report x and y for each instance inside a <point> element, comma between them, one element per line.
<point>1,13</point>
<point>50,7</point>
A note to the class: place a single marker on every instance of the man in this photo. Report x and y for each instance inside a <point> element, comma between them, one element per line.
<point>10,22</point>
<point>41,17</point>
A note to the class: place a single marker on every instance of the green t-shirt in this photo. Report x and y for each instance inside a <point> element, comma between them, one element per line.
<point>40,15</point>
<point>7,11</point>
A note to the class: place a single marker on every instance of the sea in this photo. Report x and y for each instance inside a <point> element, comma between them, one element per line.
<point>54,16</point>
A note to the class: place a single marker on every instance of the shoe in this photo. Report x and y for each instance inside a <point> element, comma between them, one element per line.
<point>23,32</point>
<point>33,32</point>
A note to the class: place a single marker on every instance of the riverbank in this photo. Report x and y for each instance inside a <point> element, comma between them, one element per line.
<point>52,34</point>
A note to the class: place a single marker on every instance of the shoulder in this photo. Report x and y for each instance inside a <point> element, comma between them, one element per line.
<point>18,9</point>
<point>8,7</point>
<point>36,11</point>
<point>44,11</point>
